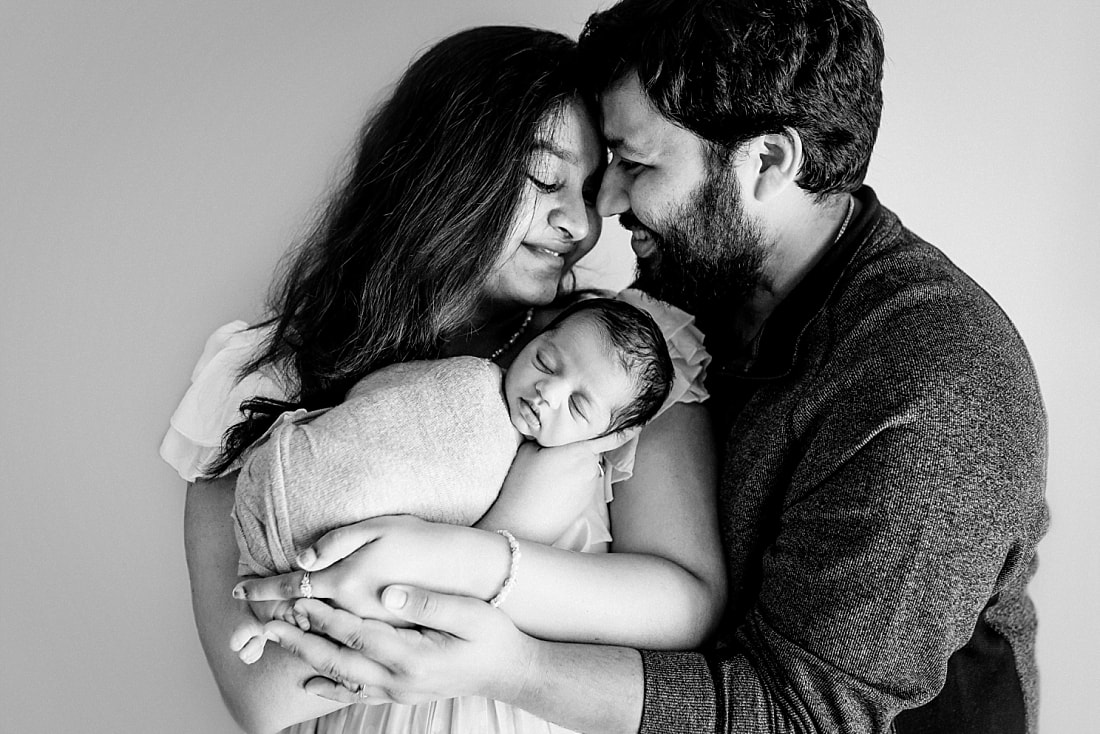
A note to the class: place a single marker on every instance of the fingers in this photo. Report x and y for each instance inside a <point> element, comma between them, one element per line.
<point>348,667</point>
<point>293,585</point>
<point>611,441</point>
<point>334,691</point>
<point>253,650</point>
<point>459,616</point>
<point>248,641</point>
<point>377,639</point>
<point>339,544</point>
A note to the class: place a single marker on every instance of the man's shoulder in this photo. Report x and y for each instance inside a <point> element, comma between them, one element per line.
<point>896,278</point>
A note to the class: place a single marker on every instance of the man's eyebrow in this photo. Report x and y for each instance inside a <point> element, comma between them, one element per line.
<point>553,149</point>
<point>621,147</point>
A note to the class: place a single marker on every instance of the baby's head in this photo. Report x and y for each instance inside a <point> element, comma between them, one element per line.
<point>600,366</point>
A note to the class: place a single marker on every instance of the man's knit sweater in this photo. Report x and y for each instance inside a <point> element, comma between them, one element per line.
<point>883,470</point>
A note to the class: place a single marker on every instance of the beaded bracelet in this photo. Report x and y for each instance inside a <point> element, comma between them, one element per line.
<point>510,581</point>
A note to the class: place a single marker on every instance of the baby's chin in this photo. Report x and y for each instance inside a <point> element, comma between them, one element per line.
<point>522,426</point>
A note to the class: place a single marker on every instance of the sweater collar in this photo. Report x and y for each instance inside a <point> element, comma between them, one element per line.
<point>775,348</point>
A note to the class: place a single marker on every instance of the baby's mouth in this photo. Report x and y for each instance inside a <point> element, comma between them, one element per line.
<point>530,414</point>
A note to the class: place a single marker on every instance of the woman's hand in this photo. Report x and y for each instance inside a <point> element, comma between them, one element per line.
<point>459,646</point>
<point>352,565</point>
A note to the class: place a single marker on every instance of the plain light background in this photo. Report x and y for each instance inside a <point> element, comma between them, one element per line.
<point>156,159</point>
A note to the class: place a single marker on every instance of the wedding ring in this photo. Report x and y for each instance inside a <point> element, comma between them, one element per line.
<point>305,588</point>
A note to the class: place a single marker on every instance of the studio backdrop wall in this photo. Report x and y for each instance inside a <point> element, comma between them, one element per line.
<point>157,158</point>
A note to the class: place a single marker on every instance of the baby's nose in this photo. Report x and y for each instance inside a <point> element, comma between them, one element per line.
<point>550,392</point>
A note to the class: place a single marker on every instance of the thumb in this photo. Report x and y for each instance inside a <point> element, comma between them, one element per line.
<point>611,441</point>
<point>459,616</point>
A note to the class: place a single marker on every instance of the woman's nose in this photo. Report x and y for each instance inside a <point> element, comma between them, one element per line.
<point>613,198</point>
<point>570,219</point>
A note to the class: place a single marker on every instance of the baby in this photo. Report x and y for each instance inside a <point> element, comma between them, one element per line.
<point>437,438</point>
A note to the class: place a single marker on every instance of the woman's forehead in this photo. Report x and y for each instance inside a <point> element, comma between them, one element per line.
<point>569,134</point>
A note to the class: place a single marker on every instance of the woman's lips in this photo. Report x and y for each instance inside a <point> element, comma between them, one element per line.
<point>547,255</point>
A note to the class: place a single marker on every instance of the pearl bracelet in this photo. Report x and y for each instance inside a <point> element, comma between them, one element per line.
<point>510,581</point>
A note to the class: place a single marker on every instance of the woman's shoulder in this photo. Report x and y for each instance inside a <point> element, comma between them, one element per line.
<point>211,403</point>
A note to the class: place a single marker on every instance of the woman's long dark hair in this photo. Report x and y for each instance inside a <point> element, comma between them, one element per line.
<point>399,259</point>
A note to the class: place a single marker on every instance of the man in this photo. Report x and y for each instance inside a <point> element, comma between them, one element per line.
<point>882,432</point>
<point>882,489</point>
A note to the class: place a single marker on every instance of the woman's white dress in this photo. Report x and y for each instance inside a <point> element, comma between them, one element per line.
<point>211,405</point>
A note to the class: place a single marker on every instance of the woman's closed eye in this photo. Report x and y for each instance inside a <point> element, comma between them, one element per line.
<point>576,409</point>
<point>546,187</point>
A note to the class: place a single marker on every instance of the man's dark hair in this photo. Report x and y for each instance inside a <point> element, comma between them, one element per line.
<point>640,346</point>
<point>731,70</point>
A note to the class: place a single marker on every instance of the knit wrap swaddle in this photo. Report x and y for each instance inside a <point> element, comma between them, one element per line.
<point>429,438</point>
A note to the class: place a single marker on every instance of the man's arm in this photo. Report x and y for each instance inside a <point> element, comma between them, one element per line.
<point>461,646</point>
<point>911,494</point>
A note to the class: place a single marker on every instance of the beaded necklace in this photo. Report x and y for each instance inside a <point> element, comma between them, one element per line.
<point>512,339</point>
<point>847,219</point>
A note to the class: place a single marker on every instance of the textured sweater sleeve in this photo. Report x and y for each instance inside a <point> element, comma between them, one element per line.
<point>430,438</point>
<point>914,456</point>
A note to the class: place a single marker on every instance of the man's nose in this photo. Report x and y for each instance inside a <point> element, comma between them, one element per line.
<point>613,197</point>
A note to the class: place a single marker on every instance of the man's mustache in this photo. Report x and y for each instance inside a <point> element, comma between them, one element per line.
<point>627,220</point>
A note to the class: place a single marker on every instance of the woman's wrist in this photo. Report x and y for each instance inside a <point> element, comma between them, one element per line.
<point>484,564</point>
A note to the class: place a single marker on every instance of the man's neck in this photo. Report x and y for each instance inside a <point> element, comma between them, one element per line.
<point>802,237</point>
<point>804,232</point>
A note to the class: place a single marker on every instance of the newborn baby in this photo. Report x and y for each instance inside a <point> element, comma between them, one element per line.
<point>437,438</point>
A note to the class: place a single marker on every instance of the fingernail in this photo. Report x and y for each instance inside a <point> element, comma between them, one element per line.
<point>306,558</point>
<point>239,592</point>
<point>394,598</point>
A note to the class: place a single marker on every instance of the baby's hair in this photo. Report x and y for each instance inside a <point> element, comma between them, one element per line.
<point>640,346</point>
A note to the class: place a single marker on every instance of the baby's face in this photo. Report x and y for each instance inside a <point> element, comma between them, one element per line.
<point>565,384</point>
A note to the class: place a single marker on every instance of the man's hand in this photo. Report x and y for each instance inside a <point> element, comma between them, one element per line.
<point>458,646</point>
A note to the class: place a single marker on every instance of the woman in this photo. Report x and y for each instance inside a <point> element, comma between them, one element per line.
<point>469,204</point>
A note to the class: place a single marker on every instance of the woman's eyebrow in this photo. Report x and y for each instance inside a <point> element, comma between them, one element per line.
<point>548,146</point>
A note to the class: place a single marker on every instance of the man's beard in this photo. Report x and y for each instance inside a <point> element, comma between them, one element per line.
<point>709,259</point>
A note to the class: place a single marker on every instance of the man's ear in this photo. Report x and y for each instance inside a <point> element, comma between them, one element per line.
<point>776,161</point>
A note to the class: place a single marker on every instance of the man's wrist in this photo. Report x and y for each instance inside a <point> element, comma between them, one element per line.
<point>578,686</point>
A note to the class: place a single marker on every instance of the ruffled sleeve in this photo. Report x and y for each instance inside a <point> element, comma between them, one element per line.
<point>212,402</point>
<point>689,361</point>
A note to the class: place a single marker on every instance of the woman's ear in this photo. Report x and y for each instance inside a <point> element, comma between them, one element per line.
<point>776,160</point>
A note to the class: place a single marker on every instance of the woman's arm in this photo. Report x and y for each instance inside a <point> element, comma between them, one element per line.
<point>663,587</point>
<point>266,696</point>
